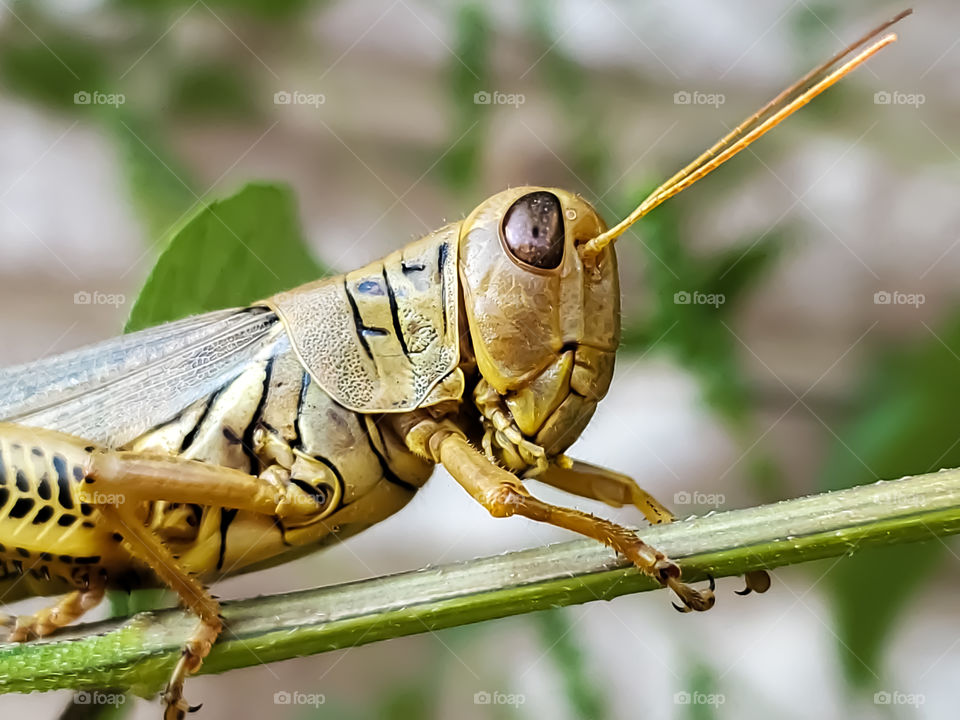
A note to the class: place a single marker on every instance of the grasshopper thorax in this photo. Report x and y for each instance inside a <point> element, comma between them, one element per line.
<point>543,314</point>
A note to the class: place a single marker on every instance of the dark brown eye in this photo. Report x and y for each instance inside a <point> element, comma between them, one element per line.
<point>533,230</point>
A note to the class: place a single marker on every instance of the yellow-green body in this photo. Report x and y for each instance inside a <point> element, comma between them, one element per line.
<point>335,376</point>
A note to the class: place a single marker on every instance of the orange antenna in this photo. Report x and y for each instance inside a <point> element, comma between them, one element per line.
<point>751,129</point>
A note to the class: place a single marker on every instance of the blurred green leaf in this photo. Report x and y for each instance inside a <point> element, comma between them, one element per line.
<point>697,334</point>
<point>702,695</point>
<point>584,695</point>
<point>51,71</point>
<point>211,90</point>
<point>161,188</point>
<point>469,75</point>
<point>232,252</point>
<point>585,145</point>
<point>906,424</point>
<point>408,701</point>
<point>262,9</point>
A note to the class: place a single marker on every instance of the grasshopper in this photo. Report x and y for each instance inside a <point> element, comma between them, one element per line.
<point>238,439</point>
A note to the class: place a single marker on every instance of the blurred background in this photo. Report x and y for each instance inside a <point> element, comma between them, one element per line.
<point>792,323</point>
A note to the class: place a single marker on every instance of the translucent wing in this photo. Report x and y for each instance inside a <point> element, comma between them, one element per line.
<point>114,391</point>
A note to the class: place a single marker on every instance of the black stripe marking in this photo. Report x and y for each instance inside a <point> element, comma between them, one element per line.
<point>388,473</point>
<point>43,488</point>
<point>413,267</point>
<point>3,471</point>
<point>192,435</point>
<point>4,496</point>
<point>21,507</point>
<point>395,314</point>
<point>22,484</point>
<point>441,261</point>
<point>43,515</point>
<point>304,386</point>
<point>226,517</point>
<point>64,496</point>
<point>363,331</point>
<point>316,493</point>
<point>333,468</point>
<point>357,321</point>
<point>66,520</point>
<point>255,419</point>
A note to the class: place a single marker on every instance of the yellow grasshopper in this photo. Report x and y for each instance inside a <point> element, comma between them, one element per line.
<point>242,438</point>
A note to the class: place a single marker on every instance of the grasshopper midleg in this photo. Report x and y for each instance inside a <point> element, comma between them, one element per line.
<point>242,438</point>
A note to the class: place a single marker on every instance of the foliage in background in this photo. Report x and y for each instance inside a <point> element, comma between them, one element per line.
<point>585,695</point>
<point>469,74</point>
<point>231,253</point>
<point>903,422</point>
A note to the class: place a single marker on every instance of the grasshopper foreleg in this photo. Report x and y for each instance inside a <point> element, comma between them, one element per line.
<point>617,489</point>
<point>503,494</point>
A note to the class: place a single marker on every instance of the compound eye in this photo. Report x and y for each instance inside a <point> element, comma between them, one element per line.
<point>533,230</point>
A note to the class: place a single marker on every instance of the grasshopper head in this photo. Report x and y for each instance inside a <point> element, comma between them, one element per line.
<point>543,314</point>
<point>540,287</point>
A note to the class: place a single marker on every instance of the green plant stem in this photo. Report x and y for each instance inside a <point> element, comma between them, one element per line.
<point>139,652</point>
